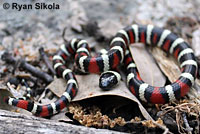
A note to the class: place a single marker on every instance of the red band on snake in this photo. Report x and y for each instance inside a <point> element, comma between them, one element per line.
<point>119,54</point>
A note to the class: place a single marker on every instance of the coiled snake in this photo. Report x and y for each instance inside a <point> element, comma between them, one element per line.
<point>119,54</point>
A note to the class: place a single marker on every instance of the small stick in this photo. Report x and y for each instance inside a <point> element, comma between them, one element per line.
<point>27,77</point>
<point>188,128</point>
<point>63,34</point>
<point>44,76</point>
<point>198,124</point>
<point>166,130</point>
<point>7,57</point>
<point>46,60</point>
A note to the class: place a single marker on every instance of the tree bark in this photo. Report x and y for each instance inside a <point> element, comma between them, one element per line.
<point>11,122</point>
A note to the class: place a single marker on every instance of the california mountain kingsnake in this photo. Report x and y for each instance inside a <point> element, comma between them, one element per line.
<point>119,54</point>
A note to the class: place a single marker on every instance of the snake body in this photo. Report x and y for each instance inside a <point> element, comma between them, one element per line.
<point>119,54</point>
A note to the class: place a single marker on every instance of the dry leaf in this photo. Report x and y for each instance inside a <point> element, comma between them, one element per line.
<point>167,64</point>
<point>89,87</point>
<point>196,42</point>
<point>170,68</point>
<point>147,67</point>
<point>4,93</point>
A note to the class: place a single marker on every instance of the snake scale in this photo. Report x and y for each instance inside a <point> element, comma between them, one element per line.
<point>119,54</point>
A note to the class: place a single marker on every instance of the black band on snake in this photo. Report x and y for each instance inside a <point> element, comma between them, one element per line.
<point>119,54</point>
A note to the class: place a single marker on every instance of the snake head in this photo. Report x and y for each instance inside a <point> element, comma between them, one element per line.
<point>109,79</point>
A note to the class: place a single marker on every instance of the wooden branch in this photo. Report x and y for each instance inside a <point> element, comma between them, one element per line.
<point>11,122</point>
<point>7,57</point>
<point>46,60</point>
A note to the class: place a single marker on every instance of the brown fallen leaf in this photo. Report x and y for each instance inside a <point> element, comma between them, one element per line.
<point>168,65</point>
<point>196,42</point>
<point>89,87</point>
<point>148,69</point>
<point>4,93</point>
<point>170,68</point>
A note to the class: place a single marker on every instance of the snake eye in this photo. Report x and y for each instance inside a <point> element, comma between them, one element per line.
<point>108,80</point>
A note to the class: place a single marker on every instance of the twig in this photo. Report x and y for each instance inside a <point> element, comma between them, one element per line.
<point>46,60</point>
<point>27,77</point>
<point>63,34</point>
<point>198,124</point>
<point>188,128</point>
<point>7,57</point>
<point>44,76</point>
<point>181,109</point>
<point>166,130</point>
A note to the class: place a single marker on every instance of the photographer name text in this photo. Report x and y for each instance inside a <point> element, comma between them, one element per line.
<point>37,6</point>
